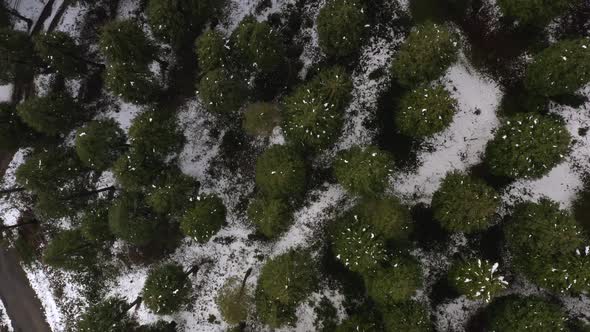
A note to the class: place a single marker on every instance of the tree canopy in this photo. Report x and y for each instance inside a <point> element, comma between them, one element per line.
<point>54,114</point>
<point>363,170</point>
<point>204,219</point>
<point>166,289</point>
<point>100,143</point>
<point>341,27</point>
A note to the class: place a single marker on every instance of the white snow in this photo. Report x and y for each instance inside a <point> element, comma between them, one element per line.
<point>4,319</point>
<point>40,283</point>
<point>5,92</point>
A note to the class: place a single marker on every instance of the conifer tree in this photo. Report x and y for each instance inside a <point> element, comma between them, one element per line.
<point>17,56</point>
<point>396,283</point>
<point>341,25</point>
<point>123,42</point>
<point>387,216</point>
<point>136,171</point>
<point>173,194</point>
<point>477,279</point>
<point>69,250</point>
<point>109,315</point>
<point>261,118</point>
<point>281,172</point>
<point>155,133</point>
<point>534,12</point>
<point>409,316</point>
<point>94,223</point>
<point>211,51</point>
<point>54,114</point>
<point>519,314</point>
<point>130,220</point>
<point>257,45</point>
<point>204,219</point>
<point>363,170</point>
<point>13,132</point>
<point>100,143</point>
<point>235,301</point>
<point>61,53</point>
<point>166,289</point>
<point>221,91</point>
<point>133,84</point>
<point>272,216</point>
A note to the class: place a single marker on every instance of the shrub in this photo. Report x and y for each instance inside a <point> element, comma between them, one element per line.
<point>534,12</point>
<point>18,59</point>
<point>261,118</point>
<point>409,316</point>
<point>54,114</point>
<point>13,132</point>
<point>211,51</point>
<point>464,204</point>
<point>131,83</point>
<point>560,69</point>
<point>425,55</point>
<point>61,53</point>
<point>70,251</point>
<point>109,315</point>
<point>100,143</point>
<point>155,133</point>
<point>124,42</point>
<point>313,112</point>
<point>281,172</point>
<point>284,282</point>
<point>258,46</point>
<point>205,219</point>
<point>518,314</point>
<point>477,279</point>
<point>131,221</point>
<point>527,145</point>
<point>395,283</point>
<point>173,194</point>
<point>425,111</point>
<point>166,289</point>
<point>271,216</point>
<point>387,216</point>
<point>363,170</point>
<point>221,92</point>
<point>175,21</point>
<point>135,171</point>
<point>234,301</point>
<point>341,25</point>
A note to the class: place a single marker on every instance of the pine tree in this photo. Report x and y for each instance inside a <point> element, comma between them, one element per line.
<point>520,314</point>
<point>131,221</point>
<point>257,45</point>
<point>341,27</point>
<point>281,172</point>
<point>396,283</point>
<point>13,132</point>
<point>136,171</point>
<point>160,326</point>
<point>363,170</point>
<point>94,223</point>
<point>54,114</point>
<point>477,279</point>
<point>425,111</point>
<point>17,56</point>
<point>359,322</point>
<point>271,216</point>
<point>464,204</point>
<point>235,301</point>
<point>204,219</point>
<point>155,133</point>
<point>100,143</point>
<point>123,42</point>
<point>109,315</point>
<point>222,92</point>
<point>69,250</point>
<point>387,216</point>
<point>534,12</point>
<point>527,145</point>
<point>409,316</point>
<point>425,55</point>
<point>61,53</point>
<point>166,289</point>
<point>211,51</point>
<point>133,84</point>
<point>261,118</point>
<point>173,194</point>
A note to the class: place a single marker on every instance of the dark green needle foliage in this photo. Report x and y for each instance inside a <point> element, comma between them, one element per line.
<point>425,111</point>
<point>69,250</point>
<point>235,301</point>
<point>560,69</point>
<point>357,245</point>
<point>359,323</point>
<point>341,25</point>
<point>281,172</point>
<point>61,53</point>
<point>17,56</point>
<point>211,51</point>
<point>363,170</point>
<point>94,223</point>
<point>222,92</point>
<point>100,143</point>
<point>135,171</point>
<point>13,132</point>
<point>173,194</point>
<point>284,282</point>
<point>133,84</point>
<point>54,114</point>
<point>166,289</point>
<point>204,219</point>
<point>261,118</point>
<point>567,273</point>
<point>109,315</point>
<point>131,221</point>
<point>464,203</point>
<point>257,45</point>
<point>155,134</point>
<point>527,146</point>
<point>387,216</point>
<point>160,326</point>
<point>123,41</point>
<point>425,55</point>
<point>534,12</point>
<point>477,279</point>
<point>313,112</point>
<point>409,316</point>
<point>522,314</point>
<point>395,283</point>
<point>272,216</point>
<point>4,16</point>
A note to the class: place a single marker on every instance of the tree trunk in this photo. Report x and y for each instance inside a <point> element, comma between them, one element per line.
<point>89,193</point>
<point>192,270</point>
<point>20,17</point>
<point>11,190</point>
<point>5,228</point>
<point>137,302</point>
<point>248,273</point>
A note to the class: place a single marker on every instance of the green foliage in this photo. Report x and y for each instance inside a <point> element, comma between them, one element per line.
<point>408,316</point>
<point>464,203</point>
<point>173,194</point>
<point>313,112</point>
<point>522,314</point>
<point>211,51</point>
<point>175,21</point>
<point>222,92</point>
<point>60,51</point>
<point>281,172</point>
<point>272,216</point>
<point>284,282</point>
<point>395,283</point>
<point>124,42</point>
<point>155,133</point>
<point>387,216</point>
<point>160,326</point>
<point>69,250</point>
<point>326,315</point>
<point>109,315</point>
<point>133,84</point>
<point>100,143</point>
<point>13,132</point>
<point>534,12</point>
<point>135,171</point>
<point>94,223</point>
<point>477,279</point>
<point>234,302</point>
<point>205,219</point>
<point>358,323</point>
<point>425,55</point>
<point>341,25</point>
<point>363,170</point>
<point>17,56</point>
<point>357,245</point>
<point>258,46</point>
<point>166,289</point>
<point>425,111</point>
<point>261,118</point>
<point>130,220</point>
<point>527,145</point>
<point>560,69</point>
<point>54,114</point>
<point>561,273</point>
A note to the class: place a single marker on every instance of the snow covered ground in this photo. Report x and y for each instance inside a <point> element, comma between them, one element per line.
<point>4,319</point>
